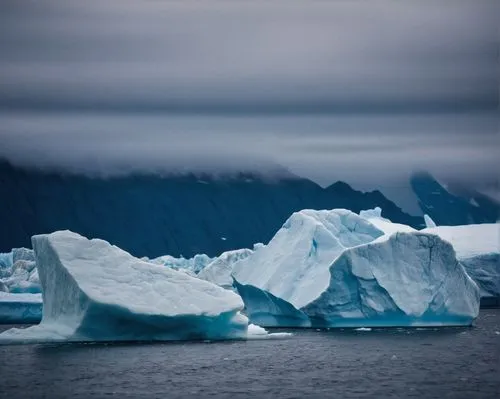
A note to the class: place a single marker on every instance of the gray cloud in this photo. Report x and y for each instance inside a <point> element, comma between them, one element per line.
<point>110,87</point>
<point>329,56</point>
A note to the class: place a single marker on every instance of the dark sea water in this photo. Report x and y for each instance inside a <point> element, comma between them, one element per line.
<point>428,363</point>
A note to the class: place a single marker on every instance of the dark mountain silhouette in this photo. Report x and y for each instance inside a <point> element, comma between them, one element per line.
<point>462,206</point>
<point>152,215</point>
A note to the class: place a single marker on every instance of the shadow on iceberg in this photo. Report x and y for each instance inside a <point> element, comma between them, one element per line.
<point>93,291</point>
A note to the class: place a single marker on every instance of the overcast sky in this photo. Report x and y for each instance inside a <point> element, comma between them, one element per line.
<point>399,85</point>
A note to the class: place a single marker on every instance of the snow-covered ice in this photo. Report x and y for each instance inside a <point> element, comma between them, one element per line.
<point>374,216</point>
<point>338,269</point>
<point>93,291</point>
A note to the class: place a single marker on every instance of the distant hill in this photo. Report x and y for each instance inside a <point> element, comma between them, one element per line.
<point>451,208</point>
<point>151,215</point>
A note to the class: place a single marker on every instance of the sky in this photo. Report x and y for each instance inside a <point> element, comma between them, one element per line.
<point>360,91</point>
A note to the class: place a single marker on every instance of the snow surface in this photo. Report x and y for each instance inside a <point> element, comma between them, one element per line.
<point>93,291</point>
<point>478,248</point>
<point>374,216</point>
<point>20,308</point>
<point>219,270</point>
<point>338,269</point>
<point>470,240</point>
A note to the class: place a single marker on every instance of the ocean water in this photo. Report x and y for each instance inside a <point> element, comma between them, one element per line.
<point>427,363</point>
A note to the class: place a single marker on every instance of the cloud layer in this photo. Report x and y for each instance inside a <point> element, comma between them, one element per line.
<point>360,91</point>
<point>242,57</point>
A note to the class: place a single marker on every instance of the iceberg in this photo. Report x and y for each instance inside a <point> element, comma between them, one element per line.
<point>478,249</point>
<point>20,277</point>
<point>405,279</point>
<point>429,223</point>
<point>190,266</point>
<point>93,291</point>
<point>23,254</point>
<point>219,270</point>
<point>5,261</point>
<point>293,269</point>
<point>20,308</point>
<point>338,269</point>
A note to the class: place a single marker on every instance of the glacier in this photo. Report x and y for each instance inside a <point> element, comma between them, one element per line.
<point>478,249</point>
<point>20,308</point>
<point>338,269</point>
<point>94,291</point>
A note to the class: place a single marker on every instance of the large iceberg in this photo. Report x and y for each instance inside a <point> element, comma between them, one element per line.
<point>405,279</point>
<point>219,270</point>
<point>20,308</point>
<point>478,249</point>
<point>93,291</point>
<point>293,269</point>
<point>337,269</point>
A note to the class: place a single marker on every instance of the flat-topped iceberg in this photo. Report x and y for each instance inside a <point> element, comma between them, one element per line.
<point>20,308</point>
<point>337,269</point>
<point>478,249</point>
<point>93,291</point>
